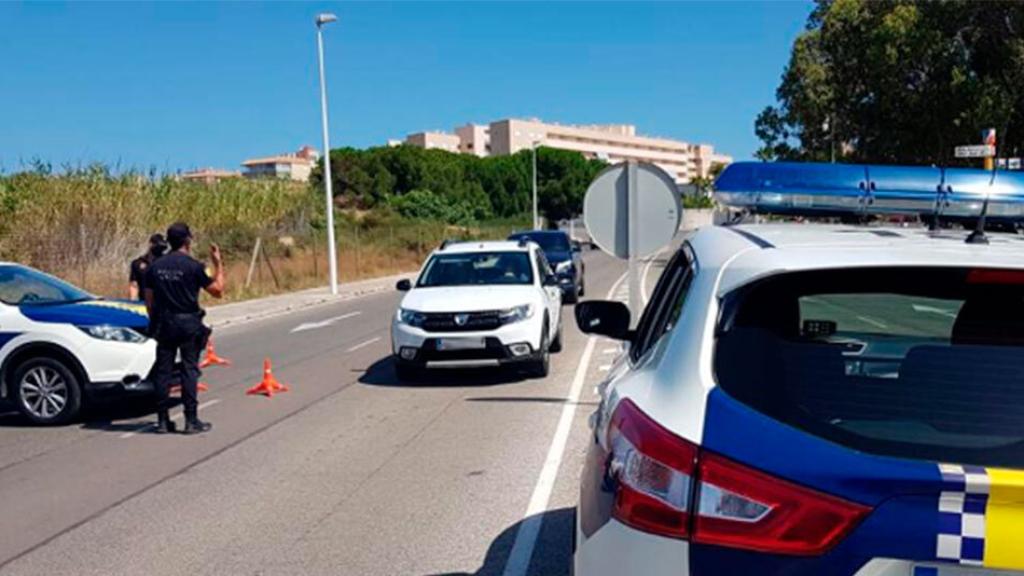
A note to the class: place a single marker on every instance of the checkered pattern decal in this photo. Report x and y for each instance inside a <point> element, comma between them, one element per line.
<point>962,505</point>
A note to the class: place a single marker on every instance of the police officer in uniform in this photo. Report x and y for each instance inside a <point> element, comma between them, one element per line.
<point>176,321</point>
<point>137,269</point>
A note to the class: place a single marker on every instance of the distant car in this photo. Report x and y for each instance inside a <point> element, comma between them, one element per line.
<point>479,304</point>
<point>565,258</point>
<point>61,346</point>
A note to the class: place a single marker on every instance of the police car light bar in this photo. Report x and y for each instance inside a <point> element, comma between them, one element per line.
<point>815,189</point>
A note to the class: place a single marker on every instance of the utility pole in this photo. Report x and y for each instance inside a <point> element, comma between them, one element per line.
<point>536,216</point>
<point>332,255</point>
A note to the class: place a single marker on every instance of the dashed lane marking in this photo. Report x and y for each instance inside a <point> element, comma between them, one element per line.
<point>363,344</point>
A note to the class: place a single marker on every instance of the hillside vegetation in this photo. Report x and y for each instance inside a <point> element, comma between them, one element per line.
<point>395,204</point>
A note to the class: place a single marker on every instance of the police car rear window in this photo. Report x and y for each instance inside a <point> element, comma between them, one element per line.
<point>910,362</point>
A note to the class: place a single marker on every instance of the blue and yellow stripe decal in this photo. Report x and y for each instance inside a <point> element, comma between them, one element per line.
<point>981,517</point>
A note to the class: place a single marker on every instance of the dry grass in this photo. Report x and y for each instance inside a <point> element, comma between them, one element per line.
<point>87,226</point>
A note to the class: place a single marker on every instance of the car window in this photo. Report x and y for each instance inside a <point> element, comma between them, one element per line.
<point>666,304</point>
<point>476,268</point>
<point>542,265</point>
<point>909,362</point>
<point>24,286</point>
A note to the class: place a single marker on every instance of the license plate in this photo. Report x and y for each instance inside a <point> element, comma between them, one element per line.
<point>461,344</point>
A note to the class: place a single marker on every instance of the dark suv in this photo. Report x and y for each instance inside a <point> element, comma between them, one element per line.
<point>564,256</point>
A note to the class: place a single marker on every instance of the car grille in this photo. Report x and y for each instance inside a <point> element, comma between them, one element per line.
<point>475,321</point>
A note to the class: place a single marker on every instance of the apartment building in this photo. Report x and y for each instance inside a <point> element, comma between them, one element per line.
<point>297,166</point>
<point>434,140</point>
<point>610,142</point>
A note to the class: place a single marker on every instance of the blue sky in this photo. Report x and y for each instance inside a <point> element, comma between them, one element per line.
<point>182,85</point>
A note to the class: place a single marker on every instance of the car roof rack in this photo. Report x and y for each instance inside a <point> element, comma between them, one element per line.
<point>968,196</point>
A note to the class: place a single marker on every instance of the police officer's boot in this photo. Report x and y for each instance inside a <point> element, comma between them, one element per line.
<point>164,424</point>
<point>193,425</point>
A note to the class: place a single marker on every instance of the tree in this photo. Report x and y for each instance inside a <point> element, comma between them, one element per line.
<point>899,81</point>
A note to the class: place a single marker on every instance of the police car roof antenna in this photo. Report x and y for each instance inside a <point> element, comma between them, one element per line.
<point>978,235</point>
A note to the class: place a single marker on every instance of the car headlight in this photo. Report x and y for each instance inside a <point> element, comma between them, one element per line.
<point>113,333</point>
<point>411,317</point>
<point>516,314</point>
<point>563,267</point>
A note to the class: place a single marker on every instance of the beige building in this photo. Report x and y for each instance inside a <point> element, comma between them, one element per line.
<point>609,142</point>
<point>208,175</point>
<point>297,166</point>
<point>432,140</point>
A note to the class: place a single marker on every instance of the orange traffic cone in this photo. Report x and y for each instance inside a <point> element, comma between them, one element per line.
<point>269,384</point>
<point>211,358</point>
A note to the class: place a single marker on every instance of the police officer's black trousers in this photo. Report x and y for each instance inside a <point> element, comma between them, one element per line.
<point>186,334</point>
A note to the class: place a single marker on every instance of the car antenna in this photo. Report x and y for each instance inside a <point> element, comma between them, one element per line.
<point>978,235</point>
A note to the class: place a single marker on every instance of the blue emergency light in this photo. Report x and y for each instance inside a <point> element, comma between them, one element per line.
<point>843,190</point>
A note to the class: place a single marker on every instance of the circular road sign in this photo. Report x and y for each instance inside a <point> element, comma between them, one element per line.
<point>606,209</point>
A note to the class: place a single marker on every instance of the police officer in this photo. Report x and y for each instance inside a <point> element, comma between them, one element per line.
<point>176,321</point>
<point>137,269</point>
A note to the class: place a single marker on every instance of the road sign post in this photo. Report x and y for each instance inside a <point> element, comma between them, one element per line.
<point>631,211</point>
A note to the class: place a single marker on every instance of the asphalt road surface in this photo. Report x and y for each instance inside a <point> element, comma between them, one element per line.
<point>350,472</point>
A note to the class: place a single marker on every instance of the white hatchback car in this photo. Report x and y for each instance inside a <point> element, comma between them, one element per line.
<point>60,346</point>
<point>479,304</point>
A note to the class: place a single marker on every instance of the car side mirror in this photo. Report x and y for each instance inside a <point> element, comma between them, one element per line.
<point>604,318</point>
<point>404,285</point>
<point>576,247</point>
<point>550,280</point>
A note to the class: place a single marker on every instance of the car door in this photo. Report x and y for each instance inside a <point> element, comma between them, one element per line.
<point>552,292</point>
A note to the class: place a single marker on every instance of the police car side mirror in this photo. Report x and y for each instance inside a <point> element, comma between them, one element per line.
<point>550,280</point>
<point>604,318</point>
<point>403,285</point>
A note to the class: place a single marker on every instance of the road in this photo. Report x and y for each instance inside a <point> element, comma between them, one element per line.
<point>348,473</point>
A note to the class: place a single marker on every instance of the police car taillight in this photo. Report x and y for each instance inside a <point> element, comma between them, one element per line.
<point>664,485</point>
<point>652,473</point>
<point>744,508</point>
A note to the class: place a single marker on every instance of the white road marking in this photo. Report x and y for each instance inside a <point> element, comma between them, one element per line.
<point>610,350</point>
<point>873,322</point>
<point>526,535</point>
<point>933,310</point>
<point>605,368</point>
<point>322,323</point>
<point>363,344</point>
<point>176,416</point>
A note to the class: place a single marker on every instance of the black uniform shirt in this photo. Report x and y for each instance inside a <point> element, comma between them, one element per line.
<point>137,272</point>
<point>176,280</point>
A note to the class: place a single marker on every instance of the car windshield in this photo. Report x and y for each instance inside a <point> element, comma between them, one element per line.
<point>547,242</point>
<point>477,268</point>
<point>910,362</point>
<point>20,285</point>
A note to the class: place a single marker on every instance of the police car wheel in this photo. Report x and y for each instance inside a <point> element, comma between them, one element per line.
<point>46,391</point>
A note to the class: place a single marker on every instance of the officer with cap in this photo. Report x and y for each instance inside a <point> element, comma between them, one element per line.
<point>176,321</point>
<point>137,269</point>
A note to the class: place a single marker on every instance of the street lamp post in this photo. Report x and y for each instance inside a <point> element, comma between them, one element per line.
<point>536,216</point>
<point>322,19</point>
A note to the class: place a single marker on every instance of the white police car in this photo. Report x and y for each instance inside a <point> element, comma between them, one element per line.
<point>479,304</point>
<point>60,346</point>
<point>809,399</point>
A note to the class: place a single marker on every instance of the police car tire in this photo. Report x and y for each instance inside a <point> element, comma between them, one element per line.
<point>74,390</point>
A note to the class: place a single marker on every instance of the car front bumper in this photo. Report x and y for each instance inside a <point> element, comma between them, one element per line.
<point>509,344</point>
